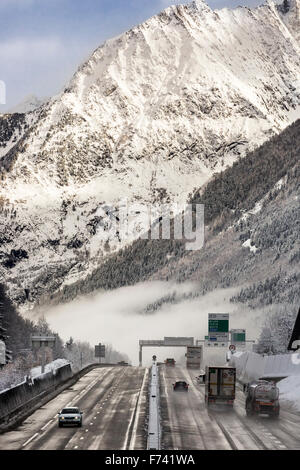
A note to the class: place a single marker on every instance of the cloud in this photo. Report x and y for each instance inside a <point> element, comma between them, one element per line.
<point>117,317</point>
<point>2,92</point>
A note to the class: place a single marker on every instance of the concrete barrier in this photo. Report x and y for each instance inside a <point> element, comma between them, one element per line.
<point>19,402</point>
<point>153,442</point>
<point>15,397</point>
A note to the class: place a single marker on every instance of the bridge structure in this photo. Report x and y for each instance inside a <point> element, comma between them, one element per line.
<point>168,341</point>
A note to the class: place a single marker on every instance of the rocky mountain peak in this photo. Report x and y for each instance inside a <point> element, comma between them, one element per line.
<point>150,117</point>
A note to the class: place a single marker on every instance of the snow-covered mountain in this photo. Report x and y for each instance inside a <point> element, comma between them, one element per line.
<point>149,117</point>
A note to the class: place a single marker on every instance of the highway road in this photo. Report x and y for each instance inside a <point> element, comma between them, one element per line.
<point>113,401</point>
<point>188,424</point>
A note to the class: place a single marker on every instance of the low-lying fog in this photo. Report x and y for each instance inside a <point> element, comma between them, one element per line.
<point>118,317</point>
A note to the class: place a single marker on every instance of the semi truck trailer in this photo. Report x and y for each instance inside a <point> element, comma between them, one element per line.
<point>193,357</point>
<point>220,385</point>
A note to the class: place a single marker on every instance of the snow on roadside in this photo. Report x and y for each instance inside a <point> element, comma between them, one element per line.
<point>12,386</point>
<point>52,366</point>
<point>290,391</point>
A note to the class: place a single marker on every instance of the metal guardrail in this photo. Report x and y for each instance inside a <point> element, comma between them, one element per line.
<point>153,441</point>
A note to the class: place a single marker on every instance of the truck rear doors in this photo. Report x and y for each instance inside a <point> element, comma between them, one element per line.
<point>220,385</point>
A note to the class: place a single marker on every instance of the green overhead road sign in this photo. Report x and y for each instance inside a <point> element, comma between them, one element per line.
<point>238,337</point>
<point>218,328</point>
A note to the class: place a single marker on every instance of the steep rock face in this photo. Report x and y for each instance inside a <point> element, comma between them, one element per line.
<point>290,14</point>
<point>149,117</point>
<point>12,129</point>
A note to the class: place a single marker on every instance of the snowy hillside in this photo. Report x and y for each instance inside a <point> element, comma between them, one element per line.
<point>149,117</point>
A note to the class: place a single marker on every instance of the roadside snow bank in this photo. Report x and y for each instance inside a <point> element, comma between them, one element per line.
<point>252,366</point>
<point>51,367</point>
<point>249,366</point>
<point>290,391</point>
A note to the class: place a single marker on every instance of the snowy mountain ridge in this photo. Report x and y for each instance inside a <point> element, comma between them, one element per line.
<point>149,117</point>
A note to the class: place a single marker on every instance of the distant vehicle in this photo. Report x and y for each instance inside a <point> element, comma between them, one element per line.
<point>228,356</point>
<point>70,416</point>
<point>123,363</point>
<point>170,362</point>
<point>262,398</point>
<point>201,377</point>
<point>193,357</point>
<point>220,385</point>
<point>181,385</point>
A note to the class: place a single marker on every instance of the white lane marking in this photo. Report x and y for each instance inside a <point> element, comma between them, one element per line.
<point>83,392</point>
<point>44,427</point>
<point>134,398</point>
<point>165,382</point>
<point>29,440</point>
<point>69,404</point>
<point>134,431</point>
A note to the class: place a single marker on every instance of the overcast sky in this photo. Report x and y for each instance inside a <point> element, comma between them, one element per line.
<point>42,42</point>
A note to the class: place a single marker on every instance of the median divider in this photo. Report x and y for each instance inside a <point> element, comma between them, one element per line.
<point>154,431</point>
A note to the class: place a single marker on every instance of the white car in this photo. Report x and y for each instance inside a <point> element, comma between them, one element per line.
<point>70,416</point>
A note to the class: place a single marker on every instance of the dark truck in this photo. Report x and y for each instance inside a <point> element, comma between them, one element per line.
<point>170,362</point>
<point>220,385</point>
<point>262,398</point>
